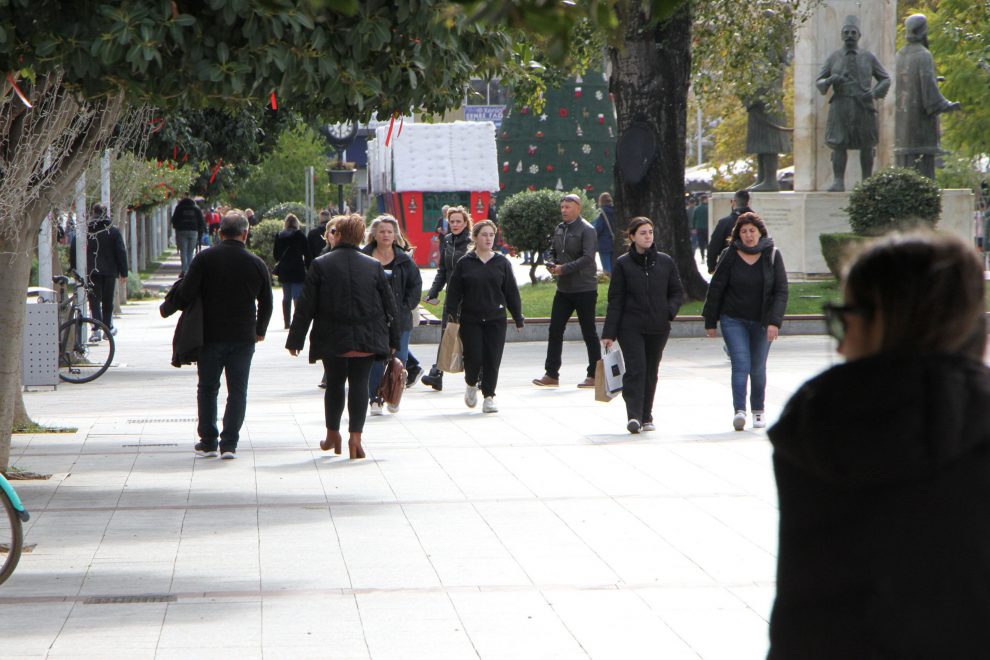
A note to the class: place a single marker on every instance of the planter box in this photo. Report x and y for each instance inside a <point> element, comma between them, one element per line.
<point>341,177</point>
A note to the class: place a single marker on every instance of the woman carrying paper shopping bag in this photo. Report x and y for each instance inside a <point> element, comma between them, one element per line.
<point>480,291</point>
<point>643,298</point>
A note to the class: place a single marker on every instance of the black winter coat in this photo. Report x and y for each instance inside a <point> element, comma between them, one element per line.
<point>188,337</point>
<point>883,475</point>
<point>406,283</point>
<point>187,216</point>
<point>350,304</point>
<point>452,248</point>
<point>774,287</point>
<point>481,291</point>
<point>291,252</point>
<point>105,251</point>
<point>316,242</point>
<point>644,295</point>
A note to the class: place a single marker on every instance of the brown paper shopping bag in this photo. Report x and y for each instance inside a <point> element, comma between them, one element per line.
<point>451,357</point>
<point>601,386</point>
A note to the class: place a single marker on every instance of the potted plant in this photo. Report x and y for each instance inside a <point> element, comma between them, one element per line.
<point>341,172</point>
<point>895,198</point>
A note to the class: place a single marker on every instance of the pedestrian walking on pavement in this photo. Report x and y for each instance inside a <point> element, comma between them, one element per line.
<point>699,224</point>
<point>723,228</point>
<point>291,253</point>
<point>482,288</point>
<point>387,245</point>
<point>603,224</point>
<point>190,226</point>
<point>453,246</point>
<point>882,467</point>
<point>351,307</point>
<point>748,296</point>
<point>235,290</point>
<point>106,261</point>
<point>644,296</point>
<point>316,238</point>
<point>571,258</point>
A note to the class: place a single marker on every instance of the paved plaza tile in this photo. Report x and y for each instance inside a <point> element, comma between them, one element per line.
<point>543,531</point>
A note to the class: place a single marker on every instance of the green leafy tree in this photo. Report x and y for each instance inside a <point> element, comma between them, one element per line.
<point>281,175</point>
<point>79,66</point>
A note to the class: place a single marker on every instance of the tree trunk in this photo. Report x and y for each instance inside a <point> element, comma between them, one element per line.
<point>651,72</point>
<point>13,288</point>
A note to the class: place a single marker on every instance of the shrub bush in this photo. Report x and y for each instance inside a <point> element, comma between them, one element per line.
<point>263,239</point>
<point>838,248</point>
<point>282,209</point>
<point>893,198</point>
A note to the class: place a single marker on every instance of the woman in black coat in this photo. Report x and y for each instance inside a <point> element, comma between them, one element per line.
<point>748,296</point>
<point>883,467</point>
<point>453,246</point>
<point>482,287</point>
<point>643,298</point>
<point>291,254</point>
<point>351,306</point>
<point>388,247</point>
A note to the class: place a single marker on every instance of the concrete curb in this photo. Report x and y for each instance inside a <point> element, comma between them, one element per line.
<point>428,332</point>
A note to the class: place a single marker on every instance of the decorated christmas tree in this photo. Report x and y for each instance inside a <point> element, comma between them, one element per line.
<point>569,144</point>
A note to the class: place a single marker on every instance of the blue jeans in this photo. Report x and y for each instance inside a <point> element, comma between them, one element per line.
<point>290,292</point>
<point>748,349</point>
<point>378,369</point>
<point>606,258</point>
<point>234,360</point>
<point>185,241</point>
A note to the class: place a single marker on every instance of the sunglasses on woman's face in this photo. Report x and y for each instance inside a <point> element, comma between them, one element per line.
<point>835,318</point>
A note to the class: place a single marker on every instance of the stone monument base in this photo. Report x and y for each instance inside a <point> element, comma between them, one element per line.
<point>796,220</point>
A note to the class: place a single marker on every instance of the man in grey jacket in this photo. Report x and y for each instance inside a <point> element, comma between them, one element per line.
<point>571,258</point>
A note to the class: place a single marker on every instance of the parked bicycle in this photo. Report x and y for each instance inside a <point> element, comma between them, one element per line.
<point>12,515</point>
<point>85,345</point>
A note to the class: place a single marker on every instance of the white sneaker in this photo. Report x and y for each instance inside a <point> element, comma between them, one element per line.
<point>739,421</point>
<point>648,426</point>
<point>759,420</point>
<point>375,409</point>
<point>95,337</point>
<point>392,408</point>
<point>488,405</point>
<point>471,396</point>
<point>633,426</point>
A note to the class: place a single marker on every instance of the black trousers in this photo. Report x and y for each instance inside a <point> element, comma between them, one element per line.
<point>353,371</point>
<point>641,354</point>
<point>101,300</point>
<point>483,343</point>
<point>565,304</point>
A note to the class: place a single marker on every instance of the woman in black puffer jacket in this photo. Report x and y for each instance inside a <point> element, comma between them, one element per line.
<point>351,306</point>
<point>388,247</point>
<point>291,252</point>
<point>883,467</point>
<point>452,248</point>
<point>644,296</point>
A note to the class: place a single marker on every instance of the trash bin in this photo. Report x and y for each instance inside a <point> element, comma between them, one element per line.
<point>39,348</point>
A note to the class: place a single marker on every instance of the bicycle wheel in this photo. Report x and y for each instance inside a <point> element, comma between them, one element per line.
<point>86,349</point>
<point>11,537</point>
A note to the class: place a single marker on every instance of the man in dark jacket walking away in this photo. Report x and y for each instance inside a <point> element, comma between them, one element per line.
<point>189,225</point>
<point>229,280</point>
<point>571,258</point>
<point>315,239</point>
<point>720,235</point>
<point>106,261</point>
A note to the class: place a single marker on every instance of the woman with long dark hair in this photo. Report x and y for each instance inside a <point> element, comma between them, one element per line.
<point>748,296</point>
<point>453,246</point>
<point>352,308</point>
<point>883,467</point>
<point>644,296</point>
<point>291,252</point>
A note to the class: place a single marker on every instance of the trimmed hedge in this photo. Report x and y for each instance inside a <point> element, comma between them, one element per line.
<point>838,248</point>
<point>263,239</point>
<point>893,198</point>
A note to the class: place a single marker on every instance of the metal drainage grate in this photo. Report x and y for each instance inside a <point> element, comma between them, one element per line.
<point>153,444</point>
<point>160,420</point>
<point>118,600</point>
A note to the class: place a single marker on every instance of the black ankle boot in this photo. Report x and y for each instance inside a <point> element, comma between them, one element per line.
<point>434,379</point>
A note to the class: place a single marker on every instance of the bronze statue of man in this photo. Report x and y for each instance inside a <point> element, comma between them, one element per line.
<point>766,135</point>
<point>919,101</point>
<point>852,115</point>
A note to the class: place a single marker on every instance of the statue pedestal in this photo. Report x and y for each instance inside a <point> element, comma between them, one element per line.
<point>796,220</point>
